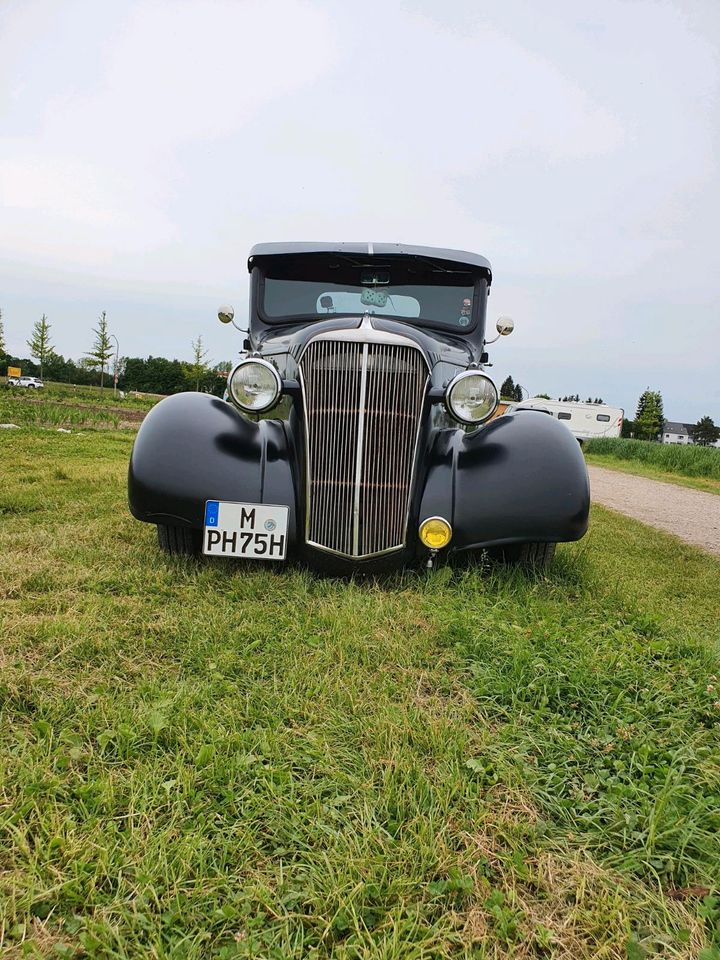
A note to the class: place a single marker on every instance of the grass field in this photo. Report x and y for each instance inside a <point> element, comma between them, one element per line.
<point>69,406</point>
<point>209,760</point>
<point>76,393</point>
<point>690,466</point>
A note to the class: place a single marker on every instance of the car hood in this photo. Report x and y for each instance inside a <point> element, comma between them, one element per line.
<point>438,348</point>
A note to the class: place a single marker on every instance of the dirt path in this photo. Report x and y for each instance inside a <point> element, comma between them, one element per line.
<point>689,514</point>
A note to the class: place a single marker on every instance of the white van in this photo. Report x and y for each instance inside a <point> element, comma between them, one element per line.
<point>583,420</point>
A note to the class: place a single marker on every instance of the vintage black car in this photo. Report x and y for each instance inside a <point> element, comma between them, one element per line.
<point>359,428</point>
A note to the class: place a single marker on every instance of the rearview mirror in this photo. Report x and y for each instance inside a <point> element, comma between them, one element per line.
<point>226,313</point>
<point>505,326</point>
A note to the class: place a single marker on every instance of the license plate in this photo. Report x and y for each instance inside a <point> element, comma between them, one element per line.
<point>254,531</point>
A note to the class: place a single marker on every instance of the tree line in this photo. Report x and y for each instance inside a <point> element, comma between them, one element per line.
<point>650,420</point>
<point>509,390</point>
<point>160,375</point>
<point>146,375</point>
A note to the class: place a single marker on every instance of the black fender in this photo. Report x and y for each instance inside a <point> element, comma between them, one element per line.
<point>192,447</point>
<point>522,478</point>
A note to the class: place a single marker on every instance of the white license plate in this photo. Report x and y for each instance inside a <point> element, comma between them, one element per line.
<point>255,531</point>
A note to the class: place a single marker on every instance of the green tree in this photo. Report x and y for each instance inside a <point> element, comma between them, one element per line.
<point>649,417</point>
<point>507,390</point>
<point>154,375</point>
<point>196,370</point>
<point>705,433</point>
<point>543,396</point>
<point>102,348</point>
<point>628,428</point>
<point>3,345</point>
<point>518,393</point>
<point>39,342</point>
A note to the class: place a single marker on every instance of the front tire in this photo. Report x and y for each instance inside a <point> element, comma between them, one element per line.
<point>535,556</point>
<point>179,541</point>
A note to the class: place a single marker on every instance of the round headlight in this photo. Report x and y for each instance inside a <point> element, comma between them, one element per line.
<point>254,385</point>
<point>471,397</point>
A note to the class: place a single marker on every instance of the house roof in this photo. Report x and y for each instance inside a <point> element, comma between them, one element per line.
<point>673,426</point>
<point>370,250</point>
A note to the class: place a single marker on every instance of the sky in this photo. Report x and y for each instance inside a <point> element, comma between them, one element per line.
<point>146,145</point>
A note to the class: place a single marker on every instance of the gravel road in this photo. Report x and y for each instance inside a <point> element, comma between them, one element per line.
<point>691,515</point>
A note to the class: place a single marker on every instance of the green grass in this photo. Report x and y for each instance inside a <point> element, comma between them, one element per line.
<point>201,759</point>
<point>692,466</point>
<point>654,473</point>
<point>26,411</point>
<point>82,394</point>
<point>638,469</point>
<point>77,393</point>
<point>69,406</point>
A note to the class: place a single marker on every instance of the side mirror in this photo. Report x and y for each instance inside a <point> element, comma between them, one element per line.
<point>226,313</point>
<point>505,326</point>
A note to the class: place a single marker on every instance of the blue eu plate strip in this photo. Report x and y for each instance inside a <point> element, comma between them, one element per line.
<point>212,508</point>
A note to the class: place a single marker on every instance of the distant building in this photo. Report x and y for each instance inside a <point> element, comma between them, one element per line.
<point>680,433</point>
<point>673,432</point>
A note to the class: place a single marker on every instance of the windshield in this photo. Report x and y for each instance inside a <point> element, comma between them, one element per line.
<point>424,292</point>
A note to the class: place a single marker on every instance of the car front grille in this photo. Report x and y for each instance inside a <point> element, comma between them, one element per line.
<point>362,406</point>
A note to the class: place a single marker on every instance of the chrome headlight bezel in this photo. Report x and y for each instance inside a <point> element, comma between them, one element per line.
<point>449,402</point>
<point>258,361</point>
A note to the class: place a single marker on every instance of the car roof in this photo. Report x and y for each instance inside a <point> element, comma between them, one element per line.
<point>283,248</point>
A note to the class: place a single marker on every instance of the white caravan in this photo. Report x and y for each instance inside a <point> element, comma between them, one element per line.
<point>583,420</point>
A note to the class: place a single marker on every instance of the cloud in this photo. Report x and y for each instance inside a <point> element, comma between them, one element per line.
<point>145,145</point>
<point>101,139</point>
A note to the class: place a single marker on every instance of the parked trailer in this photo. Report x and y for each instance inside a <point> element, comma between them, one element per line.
<point>583,420</point>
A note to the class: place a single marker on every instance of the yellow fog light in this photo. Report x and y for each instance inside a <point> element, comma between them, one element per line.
<point>435,533</point>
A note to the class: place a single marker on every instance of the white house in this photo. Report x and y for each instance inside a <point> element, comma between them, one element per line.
<point>680,433</point>
<point>673,432</point>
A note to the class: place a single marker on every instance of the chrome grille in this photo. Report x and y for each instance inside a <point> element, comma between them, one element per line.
<point>362,409</point>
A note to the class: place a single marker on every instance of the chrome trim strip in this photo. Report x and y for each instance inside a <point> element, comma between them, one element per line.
<point>365,333</point>
<point>359,452</point>
<point>362,556</point>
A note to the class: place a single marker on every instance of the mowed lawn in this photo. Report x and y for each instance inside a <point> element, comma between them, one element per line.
<point>202,759</point>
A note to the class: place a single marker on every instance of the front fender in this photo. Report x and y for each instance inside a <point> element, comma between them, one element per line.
<point>192,447</point>
<point>520,479</point>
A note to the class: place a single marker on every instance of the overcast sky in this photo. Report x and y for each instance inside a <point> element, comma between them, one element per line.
<point>145,146</point>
